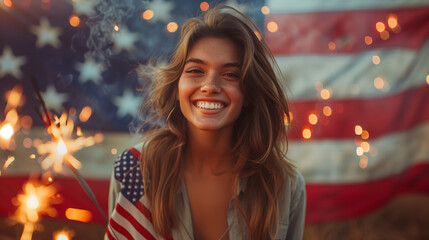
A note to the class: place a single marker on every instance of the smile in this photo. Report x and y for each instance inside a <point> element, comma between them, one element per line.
<point>210,105</point>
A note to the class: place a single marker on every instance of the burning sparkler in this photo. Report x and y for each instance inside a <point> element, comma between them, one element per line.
<point>10,125</point>
<point>35,200</point>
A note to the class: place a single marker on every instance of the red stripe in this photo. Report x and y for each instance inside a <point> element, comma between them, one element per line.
<point>72,195</point>
<point>109,234</point>
<point>135,152</point>
<point>120,229</point>
<point>379,116</point>
<point>333,202</point>
<point>304,33</point>
<point>143,231</point>
<point>143,209</point>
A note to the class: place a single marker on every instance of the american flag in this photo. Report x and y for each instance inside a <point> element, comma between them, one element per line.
<point>357,72</point>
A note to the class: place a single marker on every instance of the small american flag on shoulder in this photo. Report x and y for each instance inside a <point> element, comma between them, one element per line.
<point>131,218</point>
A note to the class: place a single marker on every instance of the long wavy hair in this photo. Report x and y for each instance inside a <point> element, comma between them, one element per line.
<point>259,132</point>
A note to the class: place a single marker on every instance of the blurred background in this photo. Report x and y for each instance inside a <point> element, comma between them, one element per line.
<point>358,79</point>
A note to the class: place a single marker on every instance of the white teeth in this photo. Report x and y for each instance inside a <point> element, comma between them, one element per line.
<point>209,105</point>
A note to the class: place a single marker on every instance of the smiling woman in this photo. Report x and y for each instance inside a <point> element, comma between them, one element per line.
<point>215,168</point>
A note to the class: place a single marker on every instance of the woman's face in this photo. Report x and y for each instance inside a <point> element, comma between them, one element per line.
<point>209,88</point>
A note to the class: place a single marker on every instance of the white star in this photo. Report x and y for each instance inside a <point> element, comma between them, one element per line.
<point>90,70</point>
<point>46,34</point>
<point>84,7</point>
<point>53,99</point>
<point>124,39</point>
<point>161,10</point>
<point>240,7</point>
<point>10,64</point>
<point>128,103</point>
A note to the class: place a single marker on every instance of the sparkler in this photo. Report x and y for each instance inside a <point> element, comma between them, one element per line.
<point>60,149</point>
<point>35,200</point>
<point>10,125</point>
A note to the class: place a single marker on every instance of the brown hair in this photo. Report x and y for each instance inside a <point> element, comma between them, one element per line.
<point>259,133</point>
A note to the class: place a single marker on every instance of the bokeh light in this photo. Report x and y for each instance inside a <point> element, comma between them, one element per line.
<point>376,60</point>
<point>358,130</point>
<point>325,94</point>
<point>384,35</point>
<point>272,26</point>
<point>363,162</point>
<point>327,111</point>
<point>147,15</point>
<point>265,10</point>
<point>368,40</point>
<point>306,133</point>
<point>85,114</point>
<point>331,46</point>
<point>427,79</point>
<point>380,26</point>
<point>7,3</point>
<point>312,119</point>
<point>392,21</point>
<point>74,20</point>
<point>114,151</point>
<point>365,146</point>
<point>204,6</point>
<point>365,134</point>
<point>172,27</point>
<point>359,151</point>
<point>378,82</point>
<point>116,28</point>
<point>80,215</point>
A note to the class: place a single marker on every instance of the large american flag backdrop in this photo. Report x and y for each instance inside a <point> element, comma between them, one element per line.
<point>357,74</point>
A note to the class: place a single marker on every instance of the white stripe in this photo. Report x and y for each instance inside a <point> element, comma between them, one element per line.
<point>288,6</point>
<point>137,215</point>
<point>116,235</point>
<point>335,161</point>
<point>352,76</point>
<point>121,220</point>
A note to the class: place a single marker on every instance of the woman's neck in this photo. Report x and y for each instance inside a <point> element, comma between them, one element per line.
<point>208,152</point>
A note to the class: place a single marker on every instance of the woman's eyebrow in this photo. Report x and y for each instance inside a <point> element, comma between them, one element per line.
<point>196,60</point>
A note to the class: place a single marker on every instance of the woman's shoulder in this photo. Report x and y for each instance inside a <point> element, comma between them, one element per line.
<point>127,164</point>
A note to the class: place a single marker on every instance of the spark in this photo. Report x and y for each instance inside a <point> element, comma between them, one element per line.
<point>63,145</point>
<point>35,200</point>
<point>9,160</point>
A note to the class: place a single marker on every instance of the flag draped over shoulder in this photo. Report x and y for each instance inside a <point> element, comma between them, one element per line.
<point>358,74</point>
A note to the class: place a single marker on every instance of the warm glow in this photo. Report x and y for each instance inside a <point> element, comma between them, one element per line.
<point>331,46</point>
<point>375,59</point>
<point>33,202</point>
<point>116,28</point>
<point>365,146</point>
<point>306,133</point>
<point>392,21</point>
<point>359,151</point>
<point>363,163</point>
<point>265,10</point>
<point>114,151</point>
<point>50,179</point>
<point>272,26</point>
<point>327,111</point>
<point>61,147</point>
<point>74,20</point>
<point>98,137</point>
<point>8,3</point>
<point>9,160</point>
<point>14,97</point>
<point>204,6</point>
<point>378,83</point>
<point>80,215</point>
<point>147,15</point>
<point>61,236</point>
<point>12,116</point>
<point>33,156</point>
<point>6,131</point>
<point>384,35</point>
<point>380,26</point>
<point>312,119</point>
<point>172,27</point>
<point>325,94</point>
<point>85,114</point>
<point>365,134</point>
<point>79,132</point>
<point>427,79</point>
<point>358,130</point>
<point>368,40</point>
<point>258,35</point>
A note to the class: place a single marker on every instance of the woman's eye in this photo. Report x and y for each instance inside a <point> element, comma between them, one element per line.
<point>231,75</point>
<point>193,71</point>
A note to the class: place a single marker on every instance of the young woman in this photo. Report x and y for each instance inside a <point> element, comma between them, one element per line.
<point>216,169</point>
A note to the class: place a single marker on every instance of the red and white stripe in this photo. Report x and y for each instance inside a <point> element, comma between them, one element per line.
<point>321,45</point>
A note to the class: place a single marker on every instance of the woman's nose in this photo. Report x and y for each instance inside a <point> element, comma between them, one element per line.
<point>211,84</point>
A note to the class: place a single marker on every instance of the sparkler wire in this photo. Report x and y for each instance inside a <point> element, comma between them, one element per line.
<point>75,172</point>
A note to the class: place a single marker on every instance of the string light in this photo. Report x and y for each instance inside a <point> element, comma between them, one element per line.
<point>74,20</point>
<point>358,130</point>
<point>363,163</point>
<point>376,59</point>
<point>312,119</point>
<point>204,6</point>
<point>384,35</point>
<point>327,111</point>
<point>392,21</point>
<point>85,114</point>
<point>306,133</point>
<point>325,94</point>
<point>172,27</point>
<point>147,15</point>
<point>368,40</point>
<point>380,26</point>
